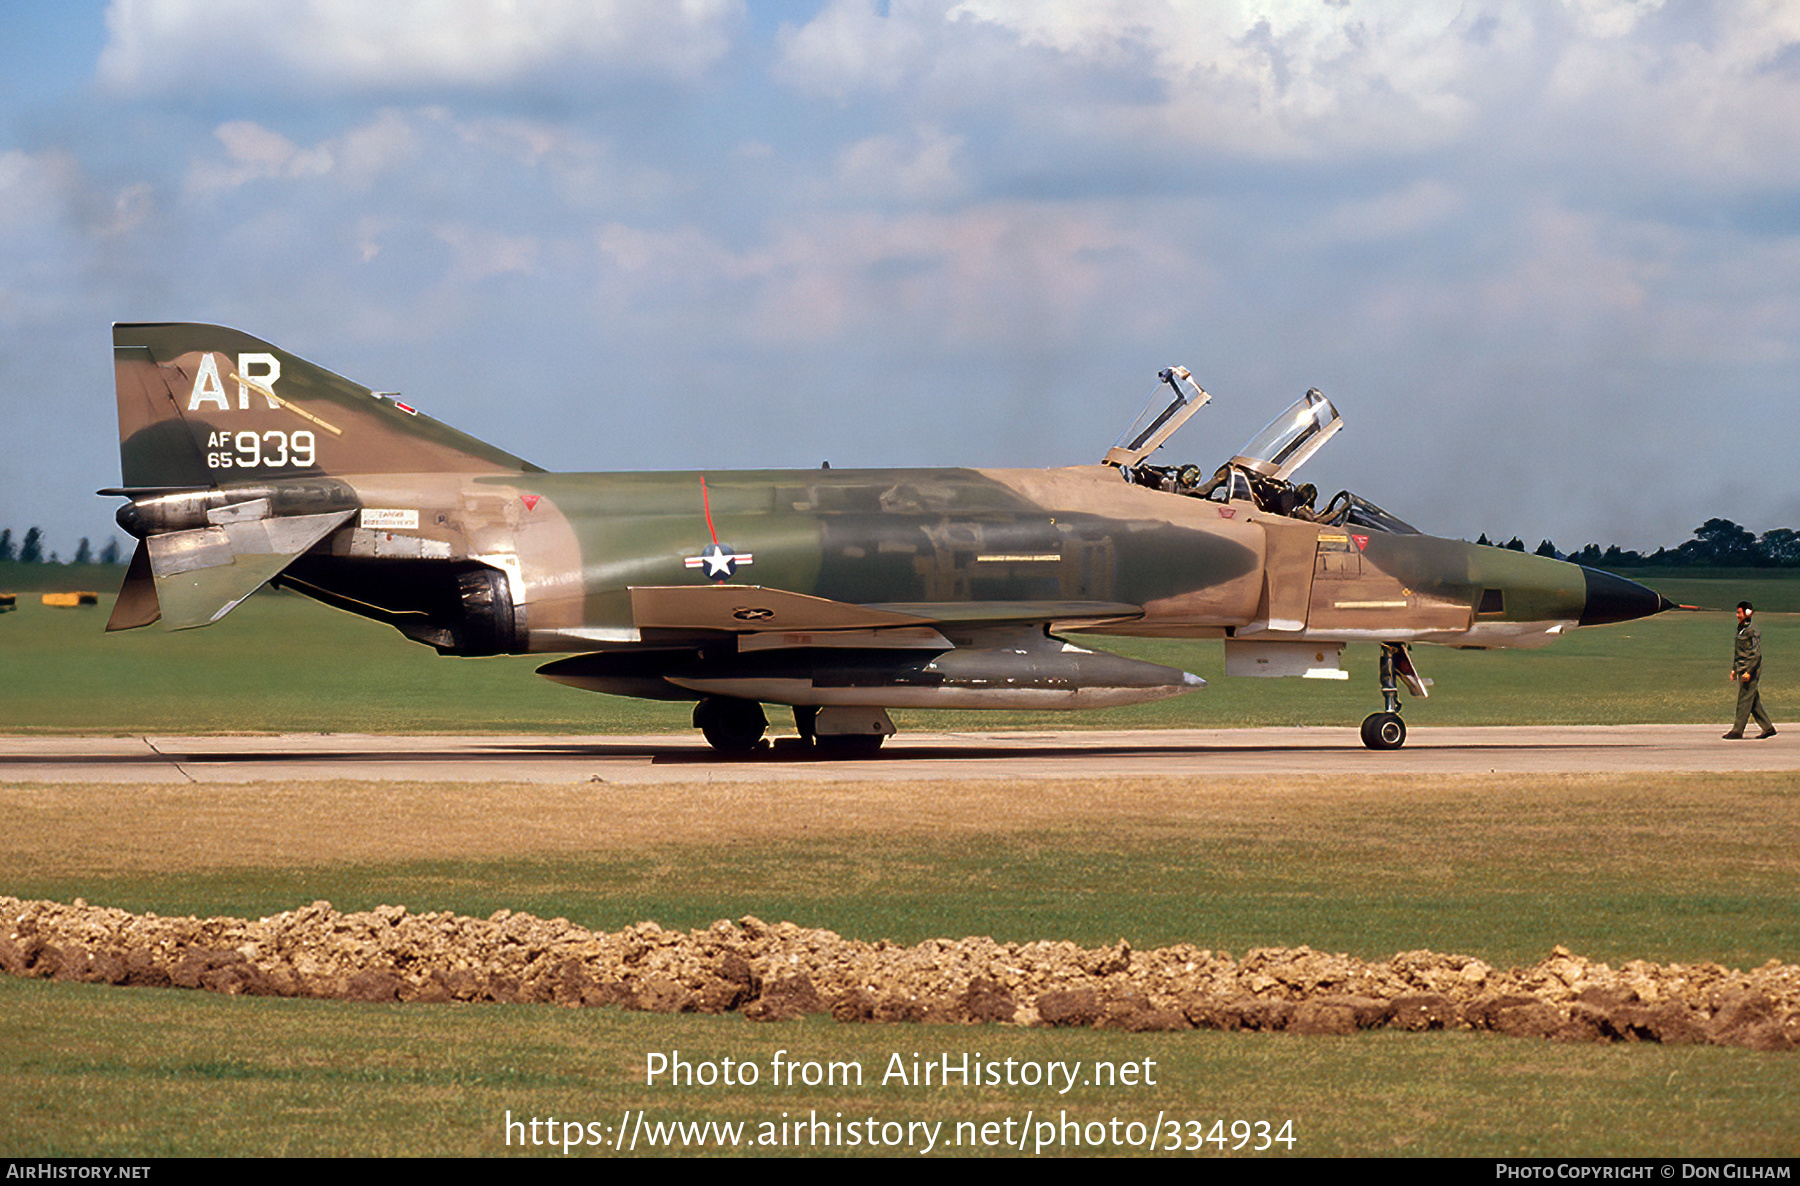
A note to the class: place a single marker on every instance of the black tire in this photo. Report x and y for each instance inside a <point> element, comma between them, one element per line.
<point>849,745</point>
<point>729,725</point>
<point>1384,730</point>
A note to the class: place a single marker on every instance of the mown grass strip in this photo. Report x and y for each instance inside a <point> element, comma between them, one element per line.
<point>1682,868</point>
<point>280,663</point>
<point>120,1072</point>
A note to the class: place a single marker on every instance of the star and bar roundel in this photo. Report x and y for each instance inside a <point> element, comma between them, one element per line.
<point>719,560</point>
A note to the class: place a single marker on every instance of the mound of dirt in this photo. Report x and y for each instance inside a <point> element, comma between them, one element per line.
<point>775,971</point>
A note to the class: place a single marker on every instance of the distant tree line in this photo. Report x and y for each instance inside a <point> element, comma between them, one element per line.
<point>1717,543</point>
<point>30,550</point>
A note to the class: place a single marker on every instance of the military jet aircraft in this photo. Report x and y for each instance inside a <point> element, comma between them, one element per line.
<point>840,593</point>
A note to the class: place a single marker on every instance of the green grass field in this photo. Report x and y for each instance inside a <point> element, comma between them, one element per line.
<point>1671,868</point>
<point>1501,868</point>
<point>281,663</point>
<point>134,1074</point>
<point>1682,869</point>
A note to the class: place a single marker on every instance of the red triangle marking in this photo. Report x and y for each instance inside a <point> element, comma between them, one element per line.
<point>530,501</point>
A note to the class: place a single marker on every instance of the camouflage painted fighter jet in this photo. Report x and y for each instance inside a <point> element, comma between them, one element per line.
<point>841,593</point>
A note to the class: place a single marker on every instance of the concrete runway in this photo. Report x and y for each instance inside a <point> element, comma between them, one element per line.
<point>909,756</point>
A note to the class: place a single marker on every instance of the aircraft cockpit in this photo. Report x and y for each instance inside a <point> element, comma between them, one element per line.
<point>1261,472</point>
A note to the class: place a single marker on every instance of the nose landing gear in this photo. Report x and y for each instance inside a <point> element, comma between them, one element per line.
<point>1385,729</point>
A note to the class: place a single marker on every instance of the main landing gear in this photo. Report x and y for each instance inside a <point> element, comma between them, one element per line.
<point>843,732</point>
<point>735,727</point>
<point>1385,730</point>
<point>730,725</point>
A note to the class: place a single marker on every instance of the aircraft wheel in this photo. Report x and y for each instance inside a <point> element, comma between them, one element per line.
<point>1384,730</point>
<point>729,725</point>
<point>849,745</point>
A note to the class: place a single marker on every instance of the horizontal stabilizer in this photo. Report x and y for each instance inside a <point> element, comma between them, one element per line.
<point>203,573</point>
<point>137,604</point>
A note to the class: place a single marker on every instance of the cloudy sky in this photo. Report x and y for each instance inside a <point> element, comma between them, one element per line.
<point>1544,256</point>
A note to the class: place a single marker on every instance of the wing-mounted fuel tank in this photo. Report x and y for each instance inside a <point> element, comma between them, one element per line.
<point>1028,670</point>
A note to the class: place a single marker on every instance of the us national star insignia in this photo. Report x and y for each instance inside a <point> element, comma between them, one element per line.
<point>720,562</point>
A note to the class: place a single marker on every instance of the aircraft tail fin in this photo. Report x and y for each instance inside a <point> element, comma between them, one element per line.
<point>202,405</point>
<point>227,448</point>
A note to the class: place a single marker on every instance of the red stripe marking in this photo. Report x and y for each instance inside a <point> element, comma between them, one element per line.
<point>706,504</point>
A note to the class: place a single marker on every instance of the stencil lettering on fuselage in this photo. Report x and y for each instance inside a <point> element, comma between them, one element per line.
<point>255,372</point>
<point>274,449</point>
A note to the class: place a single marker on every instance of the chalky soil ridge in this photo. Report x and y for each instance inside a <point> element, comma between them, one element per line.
<point>772,972</point>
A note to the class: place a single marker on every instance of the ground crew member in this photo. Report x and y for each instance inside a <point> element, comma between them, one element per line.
<point>1746,672</point>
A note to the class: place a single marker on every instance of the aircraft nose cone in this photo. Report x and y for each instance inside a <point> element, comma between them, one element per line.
<point>1615,599</point>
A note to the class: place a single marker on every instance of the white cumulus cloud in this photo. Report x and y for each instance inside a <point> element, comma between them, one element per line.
<point>1325,79</point>
<point>169,46</point>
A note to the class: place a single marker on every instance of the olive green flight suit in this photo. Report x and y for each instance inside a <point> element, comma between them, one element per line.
<point>1746,665</point>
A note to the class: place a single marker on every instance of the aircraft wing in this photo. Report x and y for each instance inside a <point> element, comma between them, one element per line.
<point>745,609</point>
<point>1062,614</point>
